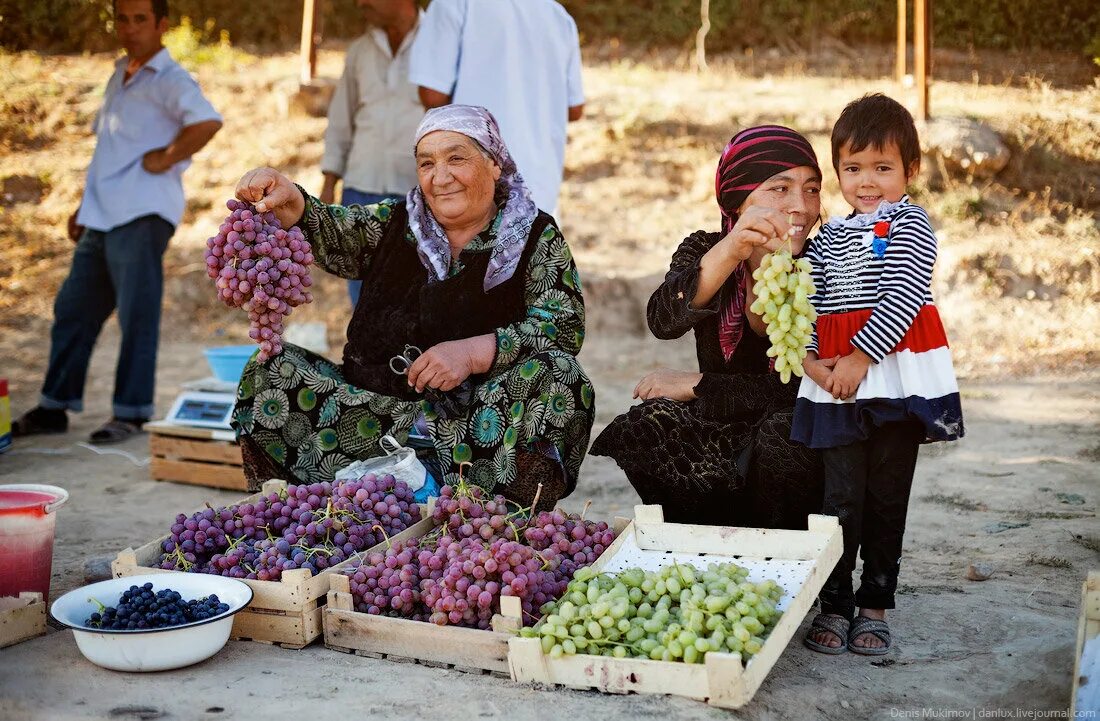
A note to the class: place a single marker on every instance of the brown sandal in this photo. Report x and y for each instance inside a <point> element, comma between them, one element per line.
<point>115,431</point>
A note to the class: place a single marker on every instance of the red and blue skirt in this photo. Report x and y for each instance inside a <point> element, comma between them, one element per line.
<point>914,381</point>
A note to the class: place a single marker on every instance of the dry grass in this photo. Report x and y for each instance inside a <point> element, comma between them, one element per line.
<point>1019,270</point>
<point>1049,561</point>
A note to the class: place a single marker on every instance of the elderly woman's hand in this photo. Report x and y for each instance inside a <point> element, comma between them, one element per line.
<point>668,383</point>
<point>758,226</point>
<point>268,189</point>
<point>445,365</point>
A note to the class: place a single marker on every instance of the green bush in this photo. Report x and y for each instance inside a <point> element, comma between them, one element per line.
<point>191,47</point>
<point>74,25</point>
<point>1005,24</point>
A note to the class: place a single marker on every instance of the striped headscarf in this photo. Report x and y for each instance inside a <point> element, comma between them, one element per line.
<point>751,157</point>
<point>518,212</point>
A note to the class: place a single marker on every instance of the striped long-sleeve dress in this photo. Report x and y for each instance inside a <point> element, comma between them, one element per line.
<point>873,274</point>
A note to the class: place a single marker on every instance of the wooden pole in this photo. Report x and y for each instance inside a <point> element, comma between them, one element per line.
<point>308,47</point>
<point>922,52</point>
<point>704,13</point>
<point>899,65</point>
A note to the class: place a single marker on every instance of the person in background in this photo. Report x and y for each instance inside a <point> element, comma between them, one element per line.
<point>521,59</point>
<point>374,113</point>
<point>154,118</point>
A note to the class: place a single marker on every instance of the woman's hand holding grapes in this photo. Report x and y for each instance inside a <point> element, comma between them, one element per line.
<point>270,190</point>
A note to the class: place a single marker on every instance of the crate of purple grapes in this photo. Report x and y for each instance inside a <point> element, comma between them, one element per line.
<point>697,611</point>
<point>454,595</point>
<point>284,542</point>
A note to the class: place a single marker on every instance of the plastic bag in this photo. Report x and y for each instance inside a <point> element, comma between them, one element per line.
<point>399,461</point>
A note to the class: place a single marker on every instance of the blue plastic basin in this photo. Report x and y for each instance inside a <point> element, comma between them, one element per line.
<point>227,362</point>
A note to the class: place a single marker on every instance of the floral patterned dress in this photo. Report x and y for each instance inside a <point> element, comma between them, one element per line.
<point>308,419</point>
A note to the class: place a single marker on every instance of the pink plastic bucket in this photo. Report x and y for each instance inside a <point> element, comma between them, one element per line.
<point>26,536</point>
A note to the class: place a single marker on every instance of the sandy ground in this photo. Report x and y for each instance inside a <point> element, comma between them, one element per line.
<point>1003,644</point>
<point>639,177</point>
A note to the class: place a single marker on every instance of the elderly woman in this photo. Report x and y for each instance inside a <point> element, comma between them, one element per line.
<point>468,271</point>
<point>713,445</point>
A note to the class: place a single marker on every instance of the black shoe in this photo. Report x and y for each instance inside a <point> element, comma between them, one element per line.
<point>39,420</point>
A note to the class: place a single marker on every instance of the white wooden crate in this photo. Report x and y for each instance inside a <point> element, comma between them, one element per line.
<point>22,617</point>
<point>800,561</point>
<point>1086,667</point>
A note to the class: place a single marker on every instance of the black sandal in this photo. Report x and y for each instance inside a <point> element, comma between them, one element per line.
<point>116,430</point>
<point>836,625</point>
<point>40,421</point>
<point>863,625</point>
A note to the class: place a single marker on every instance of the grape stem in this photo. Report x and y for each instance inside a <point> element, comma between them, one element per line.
<point>535,503</point>
<point>389,543</point>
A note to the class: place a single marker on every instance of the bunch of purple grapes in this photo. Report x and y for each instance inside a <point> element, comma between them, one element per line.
<point>481,550</point>
<point>469,585</point>
<point>466,512</point>
<point>567,542</point>
<point>388,583</point>
<point>261,268</point>
<point>312,527</point>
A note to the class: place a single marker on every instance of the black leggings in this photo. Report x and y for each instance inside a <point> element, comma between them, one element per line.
<point>867,486</point>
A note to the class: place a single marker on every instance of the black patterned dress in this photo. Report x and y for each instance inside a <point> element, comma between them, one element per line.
<point>305,417</point>
<point>725,458</point>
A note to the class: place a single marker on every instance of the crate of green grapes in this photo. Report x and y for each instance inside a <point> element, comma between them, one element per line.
<point>697,611</point>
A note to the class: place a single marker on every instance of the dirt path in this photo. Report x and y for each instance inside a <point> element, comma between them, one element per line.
<point>1030,457</point>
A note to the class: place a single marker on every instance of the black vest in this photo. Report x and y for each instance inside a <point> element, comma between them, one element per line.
<point>399,307</point>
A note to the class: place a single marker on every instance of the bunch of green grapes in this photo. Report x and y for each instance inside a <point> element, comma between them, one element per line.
<point>676,614</point>
<point>783,287</point>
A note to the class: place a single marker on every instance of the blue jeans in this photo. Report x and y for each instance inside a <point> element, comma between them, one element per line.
<point>351,196</point>
<point>118,268</point>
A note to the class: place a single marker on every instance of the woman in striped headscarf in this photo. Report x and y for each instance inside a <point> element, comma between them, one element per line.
<point>713,445</point>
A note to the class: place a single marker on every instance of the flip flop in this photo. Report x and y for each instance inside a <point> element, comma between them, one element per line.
<point>863,625</point>
<point>115,431</point>
<point>836,625</point>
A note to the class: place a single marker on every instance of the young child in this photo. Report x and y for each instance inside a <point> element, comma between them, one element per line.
<point>884,383</point>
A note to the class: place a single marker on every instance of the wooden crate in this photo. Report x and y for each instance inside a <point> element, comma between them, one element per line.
<point>463,649</point>
<point>398,639</point>
<point>1086,672</point>
<point>286,612</point>
<point>199,456</point>
<point>21,618</point>
<point>799,560</point>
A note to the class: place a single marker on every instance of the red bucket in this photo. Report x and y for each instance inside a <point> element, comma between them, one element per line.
<point>26,536</point>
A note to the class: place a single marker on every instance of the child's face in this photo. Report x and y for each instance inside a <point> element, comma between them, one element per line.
<point>871,176</point>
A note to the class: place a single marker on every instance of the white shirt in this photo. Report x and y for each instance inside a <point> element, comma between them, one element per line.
<point>521,59</point>
<point>146,113</point>
<point>373,116</point>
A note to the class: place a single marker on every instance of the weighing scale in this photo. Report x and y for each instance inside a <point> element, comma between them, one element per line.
<point>206,403</point>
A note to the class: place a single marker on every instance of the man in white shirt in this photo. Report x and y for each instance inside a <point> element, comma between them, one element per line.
<point>154,118</point>
<point>374,113</point>
<point>521,60</point>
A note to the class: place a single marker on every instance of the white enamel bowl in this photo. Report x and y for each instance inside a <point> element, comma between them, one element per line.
<point>155,649</point>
